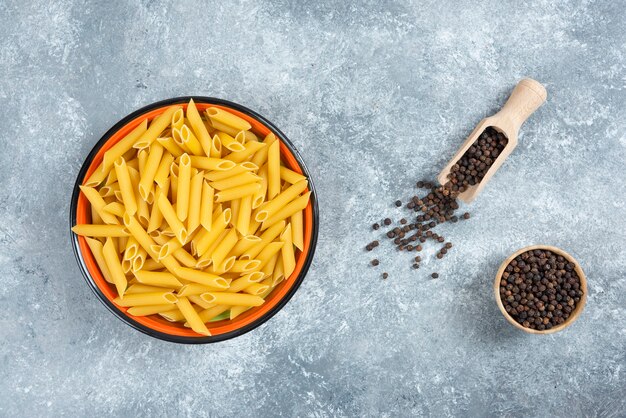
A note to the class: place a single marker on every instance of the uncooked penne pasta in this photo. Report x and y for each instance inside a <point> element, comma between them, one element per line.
<point>157,126</point>
<point>223,298</point>
<point>227,118</point>
<point>115,267</point>
<point>124,145</point>
<point>296,222</point>
<point>273,170</point>
<point>191,316</point>
<point>287,253</point>
<point>126,186</point>
<point>193,218</point>
<point>98,204</point>
<point>237,192</point>
<point>233,144</point>
<point>290,176</point>
<point>235,181</point>
<point>184,182</point>
<point>97,250</point>
<point>280,201</point>
<point>293,207</point>
<point>91,230</point>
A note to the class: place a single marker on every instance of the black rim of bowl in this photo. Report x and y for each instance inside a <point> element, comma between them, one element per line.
<point>176,338</point>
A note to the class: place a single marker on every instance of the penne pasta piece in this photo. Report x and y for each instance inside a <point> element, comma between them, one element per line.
<point>139,234</point>
<point>170,145</point>
<point>219,223</point>
<point>151,265</point>
<point>293,207</point>
<point>123,146</point>
<point>169,248</point>
<point>198,301</point>
<point>195,120</point>
<point>269,251</point>
<point>196,289</point>
<point>184,257</point>
<point>223,248</point>
<point>237,169</point>
<point>279,272</point>
<point>156,217</point>
<point>98,204</point>
<point>234,209</point>
<point>245,212</point>
<point>237,192</point>
<point>243,244</point>
<point>280,201</point>
<point>202,277</point>
<point>268,269</point>
<point>268,236</point>
<point>290,176</point>
<point>91,230</point>
<point>112,261</point>
<point>241,283</point>
<point>97,250</point>
<point>256,289</point>
<point>184,181</point>
<point>139,260</point>
<point>205,259</point>
<point>222,267</point>
<point>191,316</point>
<point>126,186</point>
<point>143,299</point>
<point>273,170</point>
<point>142,157</point>
<point>143,212</point>
<point>237,180</point>
<point>163,170</point>
<point>208,314</point>
<point>287,254</point>
<point>151,309</point>
<point>109,190</point>
<point>185,139</point>
<point>160,279</point>
<point>297,230</point>
<point>172,219</point>
<point>216,147</point>
<point>178,119</point>
<point>250,148</point>
<point>260,157</point>
<point>121,244</point>
<point>157,126</point>
<point>195,202</point>
<point>235,311</point>
<point>144,288</point>
<point>206,205</point>
<point>224,298</point>
<point>227,118</point>
<point>97,177</point>
<point>258,198</point>
<point>150,169</point>
<point>233,144</point>
<point>208,163</point>
<point>173,316</point>
<point>130,249</point>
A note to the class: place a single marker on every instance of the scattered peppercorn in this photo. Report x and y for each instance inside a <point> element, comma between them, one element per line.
<point>385,275</point>
<point>434,275</point>
<point>375,262</point>
<point>398,203</point>
<point>466,215</point>
<point>375,227</point>
<point>387,221</point>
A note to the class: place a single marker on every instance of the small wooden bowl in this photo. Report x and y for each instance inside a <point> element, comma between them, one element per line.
<point>579,306</point>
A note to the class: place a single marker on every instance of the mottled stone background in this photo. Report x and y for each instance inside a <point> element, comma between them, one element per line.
<point>375,95</point>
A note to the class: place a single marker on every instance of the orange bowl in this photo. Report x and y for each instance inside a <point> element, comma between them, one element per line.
<point>154,325</point>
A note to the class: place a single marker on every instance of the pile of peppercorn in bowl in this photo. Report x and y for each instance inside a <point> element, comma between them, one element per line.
<point>540,289</point>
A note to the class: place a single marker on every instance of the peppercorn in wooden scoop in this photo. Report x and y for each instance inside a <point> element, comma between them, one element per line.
<point>491,142</point>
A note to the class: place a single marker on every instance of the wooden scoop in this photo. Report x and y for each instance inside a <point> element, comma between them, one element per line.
<point>526,97</point>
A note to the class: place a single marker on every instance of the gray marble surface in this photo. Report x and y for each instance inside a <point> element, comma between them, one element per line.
<point>375,95</point>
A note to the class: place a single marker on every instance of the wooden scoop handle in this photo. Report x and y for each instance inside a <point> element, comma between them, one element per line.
<point>526,97</point>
